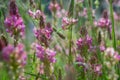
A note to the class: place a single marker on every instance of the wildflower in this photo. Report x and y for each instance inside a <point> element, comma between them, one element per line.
<point>98,69</point>
<point>44,54</point>
<point>18,53</point>
<point>67,22</point>
<point>54,6</point>
<point>37,14</point>
<point>103,22</point>
<point>83,13</point>
<point>102,48</point>
<point>14,23</point>
<point>51,55</point>
<point>112,55</point>
<point>79,43</point>
<point>116,16</point>
<point>40,52</point>
<point>79,59</point>
<point>46,32</point>
<point>61,13</point>
<point>7,51</point>
<point>85,41</point>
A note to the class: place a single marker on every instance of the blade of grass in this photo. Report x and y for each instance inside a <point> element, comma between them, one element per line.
<point>113,29</point>
<point>70,14</point>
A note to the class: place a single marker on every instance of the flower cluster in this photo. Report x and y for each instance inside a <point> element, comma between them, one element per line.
<point>37,14</point>
<point>15,55</point>
<point>98,69</point>
<point>112,54</point>
<point>67,22</point>
<point>116,16</point>
<point>61,13</point>
<point>14,23</point>
<point>44,54</point>
<point>83,13</point>
<point>54,6</point>
<point>79,60</point>
<point>111,59</point>
<point>84,42</point>
<point>104,22</point>
<point>46,33</point>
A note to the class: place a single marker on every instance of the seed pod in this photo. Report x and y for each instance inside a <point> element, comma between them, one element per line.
<point>99,37</point>
<point>3,42</point>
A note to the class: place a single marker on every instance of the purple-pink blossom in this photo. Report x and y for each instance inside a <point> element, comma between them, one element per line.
<point>85,41</point>
<point>98,69</point>
<point>103,23</point>
<point>54,6</point>
<point>14,22</point>
<point>44,54</point>
<point>18,53</point>
<point>67,22</point>
<point>111,53</point>
<point>44,32</point>
<point>37,14</point>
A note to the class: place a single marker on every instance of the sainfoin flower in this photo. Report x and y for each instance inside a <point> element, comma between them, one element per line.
<point>45,32</point>
<point>17,53</point>
<point>111,53</point>
<point>79,59</point>
<point>67,22</point>
<point>61,13</point>
<point>45,54</point>
<point>54,6</point>
<point>85,41</point>
<point>98,69</point>
<point>103,23</point>
<point>36,14</point>
<point>14,22</point>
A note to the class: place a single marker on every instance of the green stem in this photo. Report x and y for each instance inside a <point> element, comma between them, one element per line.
<point>90,18</point>
<point>70,14</point>
<point>70,45</point>
<point>113,30</point>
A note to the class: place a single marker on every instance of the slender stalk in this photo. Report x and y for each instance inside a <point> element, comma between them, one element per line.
<point>90,18</point>
<point>70,14</point>
<point>113,30</point>
<point>70,45</point>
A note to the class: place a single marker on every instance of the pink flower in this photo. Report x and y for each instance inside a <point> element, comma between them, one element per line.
<point>88,40</point>
<point>116,16</point>
<point>79,59</point>
<point>98,69</point>
<point>67,22</point>
<point>102,48</point>
<point>85,41</point>
<point>40,52</point>
<point>14,22</point>
<point>37,14</point>
<point>54,6</point>
<point>46,32</point>
<point>111,53</point>
<point>44,54</point>
<point>51,55</point>
<point>17,52</point>
<point>79,42</point>
<point>7,51</point>
<point>61,13</point>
